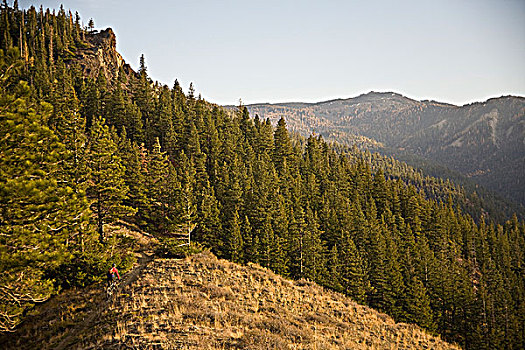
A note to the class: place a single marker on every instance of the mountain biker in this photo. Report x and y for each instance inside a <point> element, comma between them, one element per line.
<point>112,273</point>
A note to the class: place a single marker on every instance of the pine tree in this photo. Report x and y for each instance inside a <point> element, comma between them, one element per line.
<point>38,212</point>
<point>334,280</point>
<point>418,308</point>
<point>69,126</point>
<point>352,278</point>
<point>234,241</point>
<point>91,103</point>
<point>413,213</point>
<point>134,159</point>
<point>157,212</point>
<point>106,188</point>
<point>380,191</point>
<point>91,25</point>
<point>185,195</point>
<point>143,98</point>
<point>296,231</point>
<point>251,241</point>
<point>377,273</point>
<point>393,291</point>
<point>246,126</point>
<point>264,138</point>
<point>314,253</point>
<point>280,227</point>
<point>282,146</point>
<point>209,230</point>
<point>266,243</point>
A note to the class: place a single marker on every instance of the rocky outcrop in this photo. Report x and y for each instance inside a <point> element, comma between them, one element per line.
<point>100,53</point>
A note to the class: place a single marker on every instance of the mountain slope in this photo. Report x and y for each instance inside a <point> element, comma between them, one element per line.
<point>205,303</point>
<point>483,141</point>
<point>303,208</point>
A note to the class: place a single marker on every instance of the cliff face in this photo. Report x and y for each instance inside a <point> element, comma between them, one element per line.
<point>100,53</point>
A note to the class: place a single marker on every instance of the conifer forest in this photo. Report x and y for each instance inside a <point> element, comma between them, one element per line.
<point>85,146</point>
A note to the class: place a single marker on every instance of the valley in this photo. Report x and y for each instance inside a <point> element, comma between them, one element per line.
<point>483,141</point>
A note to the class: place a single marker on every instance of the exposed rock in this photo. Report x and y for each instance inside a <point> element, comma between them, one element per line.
<point>101,53</point>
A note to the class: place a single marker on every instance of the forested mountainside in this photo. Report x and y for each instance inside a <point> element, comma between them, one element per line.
<point>484,141</point>
<point>84,145</point>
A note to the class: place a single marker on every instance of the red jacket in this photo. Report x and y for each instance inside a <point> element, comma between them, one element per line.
<point>114,270</point>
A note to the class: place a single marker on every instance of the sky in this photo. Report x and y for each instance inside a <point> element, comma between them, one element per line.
<point>455,51</point>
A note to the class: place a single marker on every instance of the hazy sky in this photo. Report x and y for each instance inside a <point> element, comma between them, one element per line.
<point>274,51</point>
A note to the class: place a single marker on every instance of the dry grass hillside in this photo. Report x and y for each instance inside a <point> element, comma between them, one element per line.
<point>204,303</point>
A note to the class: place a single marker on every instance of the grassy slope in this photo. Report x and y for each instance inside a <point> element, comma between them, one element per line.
<point>205,303</point>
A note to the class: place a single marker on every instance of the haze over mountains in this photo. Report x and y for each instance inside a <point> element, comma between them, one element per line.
<point>484,141</point>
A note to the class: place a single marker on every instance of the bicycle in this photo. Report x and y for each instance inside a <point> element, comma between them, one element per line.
<point>112,288</point>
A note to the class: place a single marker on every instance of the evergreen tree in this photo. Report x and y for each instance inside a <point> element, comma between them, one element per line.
<point>280,226</point>
<point>266,243</point>
<point>393,292</point>
<point>352,278</point>
<point>418,308</point>
<point>251,241</point>
<point>380,191</point>
<point>314,254</point>
<point>334,280</point>
<point>38,213</point>
<point>233,241</point>
<point>106,187</point>
<point>283,148</point>
<point>185,195</point>
<point>158,211</point>
<point>377,273</point>
<point>296,242</point>
<point>134,159</point>
<point>209,230</point>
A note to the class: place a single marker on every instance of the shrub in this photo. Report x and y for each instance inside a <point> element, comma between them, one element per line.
<point>172,248</point>
<point>91,266</point>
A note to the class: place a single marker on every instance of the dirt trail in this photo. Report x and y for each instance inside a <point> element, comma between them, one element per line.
<point>202,302</point>
<point>95,313</point>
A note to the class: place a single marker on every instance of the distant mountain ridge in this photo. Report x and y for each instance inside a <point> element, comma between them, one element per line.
<point>484,141</point>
